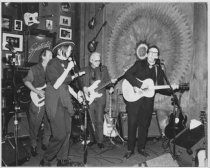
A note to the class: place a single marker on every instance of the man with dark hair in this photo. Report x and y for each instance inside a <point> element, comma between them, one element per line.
<point>59,104</point>
<point>35,80</point>
<point>140,111</point>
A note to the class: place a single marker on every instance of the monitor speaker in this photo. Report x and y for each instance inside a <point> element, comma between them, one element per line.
<point>164,160</point>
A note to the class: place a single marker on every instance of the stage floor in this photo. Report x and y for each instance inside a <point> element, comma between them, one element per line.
<point>112,155</point>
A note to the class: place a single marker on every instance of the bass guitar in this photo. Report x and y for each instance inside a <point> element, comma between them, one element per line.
<point>177,121</point>
<point>201,159</point>
<point>32,18</point>
<point>37,100</point>
<point>131,96</point>
<point>93,90</point>
<point>109,122</point>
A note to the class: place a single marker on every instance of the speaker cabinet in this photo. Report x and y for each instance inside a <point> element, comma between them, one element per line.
<point>23,126</point>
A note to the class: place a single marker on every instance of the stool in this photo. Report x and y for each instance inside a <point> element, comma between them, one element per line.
<point>154,128</point>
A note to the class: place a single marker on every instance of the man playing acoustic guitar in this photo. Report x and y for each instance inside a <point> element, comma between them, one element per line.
<point>140,110</point>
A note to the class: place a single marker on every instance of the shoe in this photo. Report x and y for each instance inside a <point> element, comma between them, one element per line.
<point>34,151</point>
<point>44,147</point>
<point>100,145</point>
<point>143,152</point>
<point>128,154</point>
<point>63,162</point>
<point>91,143</point>
<point>45,162</point>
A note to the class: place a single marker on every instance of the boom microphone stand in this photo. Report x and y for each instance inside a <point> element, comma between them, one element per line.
<point>85,108</point>
<point>175,103</point>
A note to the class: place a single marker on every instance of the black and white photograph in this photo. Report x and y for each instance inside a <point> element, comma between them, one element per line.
<point>18,25</point>
<point>105,83</point>
<point>14,40</point>
<point>49,24</point>
<point>65,7</point>
<point>65,21</point>
<point>6,23</point>
<point>65,33</point>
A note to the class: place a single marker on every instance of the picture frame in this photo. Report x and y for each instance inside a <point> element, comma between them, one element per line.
<point>6,23</point>
<point>18,25</point>
<point>65,7</point>
<point>16,59</point>
<point>49,24</point>
<point>16,40</point>
<point>65,21</point>
<point>65,34</point>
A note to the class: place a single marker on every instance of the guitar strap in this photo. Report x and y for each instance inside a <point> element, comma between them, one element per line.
<point>155,75</point>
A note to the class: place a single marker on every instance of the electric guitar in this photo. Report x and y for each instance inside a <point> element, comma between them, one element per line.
<point>201,156</point>
<point>37,100</point>
<point>95,88</point>
<point>131,96</point>
<point>32,18</point>
<point>109,122</point>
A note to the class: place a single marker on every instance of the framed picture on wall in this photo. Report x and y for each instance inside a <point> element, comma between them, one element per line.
<point>18,25</point>
<point>49,24</point>
<point>6,23</point>
<point>15,40</point>
<point>65,33</point>
<point>16,59</point>
<point>65,7</point>
<point>65,21</point>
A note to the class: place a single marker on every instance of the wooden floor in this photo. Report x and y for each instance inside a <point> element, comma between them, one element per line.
<point>112,155</point>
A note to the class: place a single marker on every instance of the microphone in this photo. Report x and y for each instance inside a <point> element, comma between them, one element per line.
<point>159,61</point>
<point>10,47</point>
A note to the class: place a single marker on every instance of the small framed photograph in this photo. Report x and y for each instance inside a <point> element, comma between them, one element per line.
<point>15,40</point>
<point>18,25</point>
<point>65,33</point>
<point>65,7</point>
<point>65,21</point>
<point>49,24</point>
<point>6,23</point>
<point>11,59</point>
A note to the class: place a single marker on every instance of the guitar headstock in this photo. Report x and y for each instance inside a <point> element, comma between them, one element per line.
<point>184,86</point>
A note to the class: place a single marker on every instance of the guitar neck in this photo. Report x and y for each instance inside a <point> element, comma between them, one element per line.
<point>46,16</point>
<point>161,87</point>
<point>103,86</point>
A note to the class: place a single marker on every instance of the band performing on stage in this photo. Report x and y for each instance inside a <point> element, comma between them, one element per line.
<point>68,100</point>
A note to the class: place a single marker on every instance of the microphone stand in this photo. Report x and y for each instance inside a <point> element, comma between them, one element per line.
<point>16,108</point>
<point>85,108</point>
<point>176,103</point>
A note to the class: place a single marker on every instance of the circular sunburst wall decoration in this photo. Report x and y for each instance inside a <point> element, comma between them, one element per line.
<point>160,24</point>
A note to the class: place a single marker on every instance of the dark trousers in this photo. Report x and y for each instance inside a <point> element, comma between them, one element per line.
<point>61,130</point>
<point>139,116</point>
<point>97,117</point>
<point>36,116</point>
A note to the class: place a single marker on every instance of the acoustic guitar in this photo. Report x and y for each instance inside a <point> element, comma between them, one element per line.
<point>131,96</point>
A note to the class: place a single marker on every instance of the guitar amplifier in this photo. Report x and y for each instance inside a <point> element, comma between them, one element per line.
<point>153,131</point>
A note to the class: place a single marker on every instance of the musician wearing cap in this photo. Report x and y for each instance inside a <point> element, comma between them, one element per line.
<point>35,81</point>
<point>140,110</point>
<point>58,103</point>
